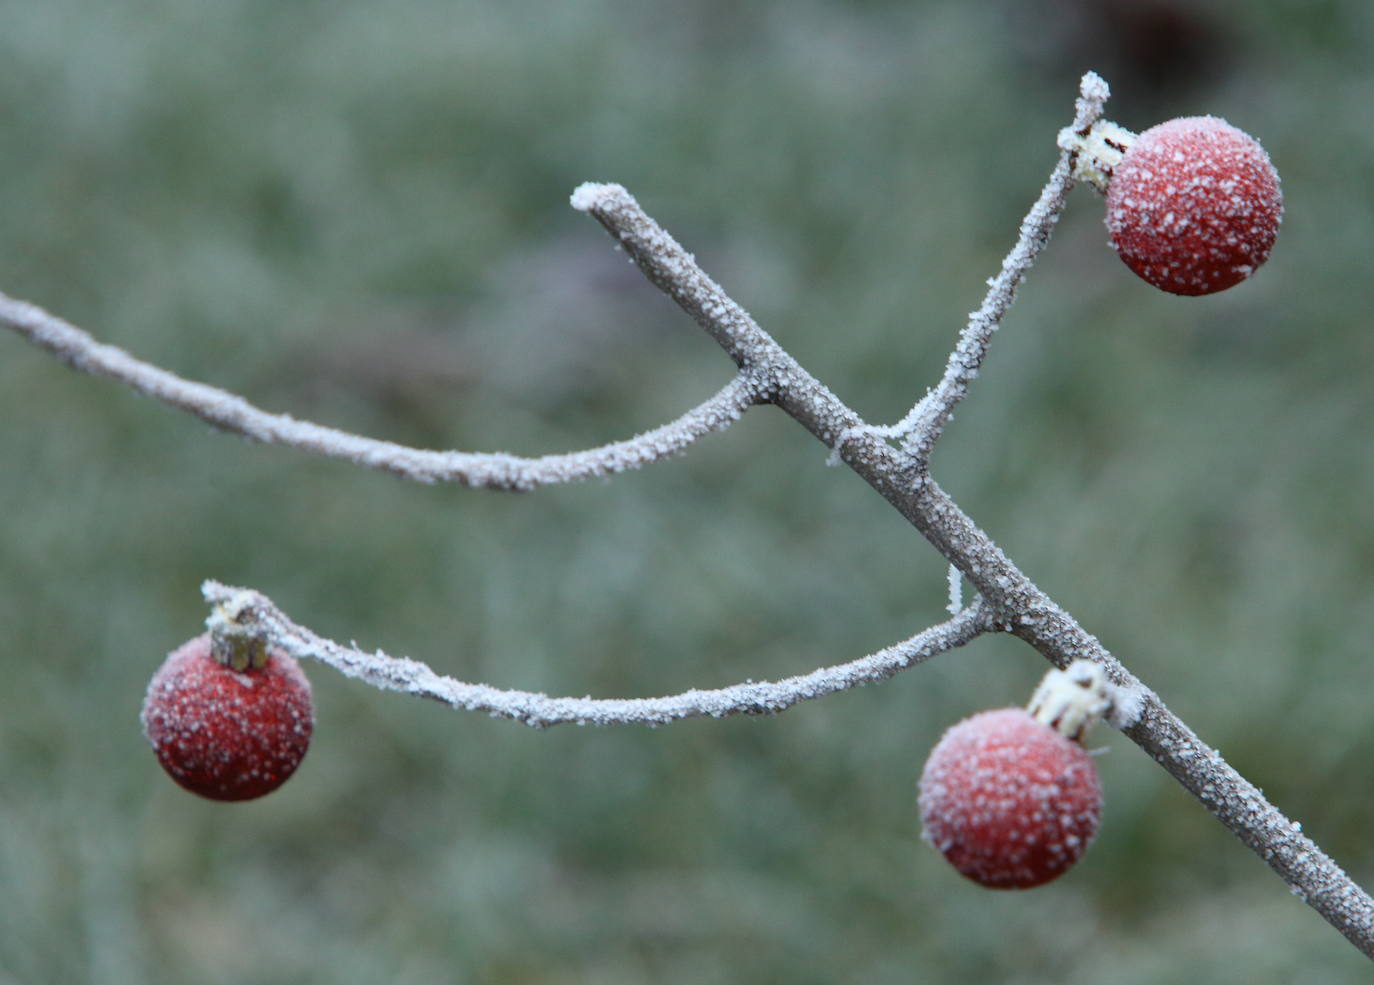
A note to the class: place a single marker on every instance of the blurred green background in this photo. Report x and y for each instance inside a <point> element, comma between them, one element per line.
<point>357,213</point>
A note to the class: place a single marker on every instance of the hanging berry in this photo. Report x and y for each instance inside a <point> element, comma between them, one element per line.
<point>1009,796</point>
<point>1193,205</point>
<point>230,726</point>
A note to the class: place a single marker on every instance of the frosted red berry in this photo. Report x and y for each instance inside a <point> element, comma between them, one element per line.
<point>1194,205</point>
<point>228,734</point>
<point>1009,801</point>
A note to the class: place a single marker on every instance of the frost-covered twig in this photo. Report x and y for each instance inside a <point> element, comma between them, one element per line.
<point>257,613</point>
<point>495,470</point>
<point>922,426</point>
<point>675,272</point>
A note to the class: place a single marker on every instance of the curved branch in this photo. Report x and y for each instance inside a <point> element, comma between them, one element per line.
<point>258,614</point>
<point>495,470</point>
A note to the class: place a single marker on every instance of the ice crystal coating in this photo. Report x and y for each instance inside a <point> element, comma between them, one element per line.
<point>1194,206</point>
<point>1009,801</point>
<point>227,734</point>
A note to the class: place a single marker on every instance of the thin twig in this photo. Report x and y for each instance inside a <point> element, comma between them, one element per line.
<point>495,470</point>
<point>256,612</point>
<point>922,426</point>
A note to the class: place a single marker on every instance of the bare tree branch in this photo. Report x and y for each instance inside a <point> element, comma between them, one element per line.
<point>1007,600</point>
<point>258,615</point>
<point>1013,600</point>
<point>495,470</point>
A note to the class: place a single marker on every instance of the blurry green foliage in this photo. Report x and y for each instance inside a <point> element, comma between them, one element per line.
<point>357,213</point>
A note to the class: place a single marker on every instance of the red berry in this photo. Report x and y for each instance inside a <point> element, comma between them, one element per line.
<point>1194,205</point>
<point>228,734</point>
<point>1009,801</point>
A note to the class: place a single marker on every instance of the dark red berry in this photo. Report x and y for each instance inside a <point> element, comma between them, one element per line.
<point>1009,801</point>
<point>1194,205</point>
<point>228,734</point>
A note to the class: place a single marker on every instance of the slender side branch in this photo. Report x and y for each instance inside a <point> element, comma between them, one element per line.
<point>925,422</point>
<point>256,612</point>
<point>495,470</point>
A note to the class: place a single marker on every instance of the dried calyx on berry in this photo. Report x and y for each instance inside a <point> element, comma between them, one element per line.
<point>1010,797</point>
<point>1072,700</point>
<point>1193,204</point>
<point>228,717</point>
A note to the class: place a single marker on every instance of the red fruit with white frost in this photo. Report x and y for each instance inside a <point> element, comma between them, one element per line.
<point>1194,205</point>
<point>228,734</point>
<point>1009,796</point>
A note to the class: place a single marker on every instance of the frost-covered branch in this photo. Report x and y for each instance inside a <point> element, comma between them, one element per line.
<point>258,615</point>
<point>1014,603</point>
<point>495,470</point>
<point>922,426</point>
<point>1007,599</point>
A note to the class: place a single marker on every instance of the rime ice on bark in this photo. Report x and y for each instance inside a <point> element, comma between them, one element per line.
<point>586,195</point>
<point>226,734</point>
<point>955,579</point>
<point>1127,705</point>
<point>1008,801</point>
<point>1194,206</point>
